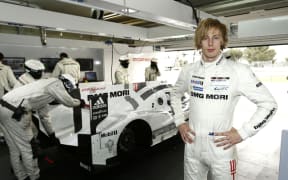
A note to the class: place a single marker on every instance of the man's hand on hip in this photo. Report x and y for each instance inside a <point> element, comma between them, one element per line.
<point>228,138</point>
<point>186,132</point>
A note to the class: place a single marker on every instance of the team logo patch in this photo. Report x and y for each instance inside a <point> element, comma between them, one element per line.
<point>220,78</point>
<point>220,82</point>
<point>197,82</point>
<point>220,88</point>
<point>196,88</point>
<point>197,77</point>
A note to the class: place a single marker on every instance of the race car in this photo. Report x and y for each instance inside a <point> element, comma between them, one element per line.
<point>117,120</point>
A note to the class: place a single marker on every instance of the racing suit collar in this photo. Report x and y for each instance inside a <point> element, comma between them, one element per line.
<point>216,62</point>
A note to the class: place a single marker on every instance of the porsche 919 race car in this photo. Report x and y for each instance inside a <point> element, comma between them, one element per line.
<point>117,120</point>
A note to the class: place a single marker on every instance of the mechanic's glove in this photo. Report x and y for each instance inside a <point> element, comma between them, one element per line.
<point>54,140</point>
<point>18,113</point>
<point>82,103</point>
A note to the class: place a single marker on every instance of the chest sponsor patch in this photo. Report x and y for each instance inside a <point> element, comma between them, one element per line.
<point>197,77</point>
<point>209,96</point>
<point>197,88</point>
<point>197,82</point>
<point>220,88</point>
<point>220,81</point>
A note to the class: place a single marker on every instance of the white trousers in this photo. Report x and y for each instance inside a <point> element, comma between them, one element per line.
<point>202,156</point>
<point>18,136</point>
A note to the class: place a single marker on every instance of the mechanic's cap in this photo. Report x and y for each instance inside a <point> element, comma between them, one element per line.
<point>154,60</point>
<point>124,58</point>
<point>34,65</point>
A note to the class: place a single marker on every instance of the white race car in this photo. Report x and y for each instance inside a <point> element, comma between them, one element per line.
<point>118,120</point>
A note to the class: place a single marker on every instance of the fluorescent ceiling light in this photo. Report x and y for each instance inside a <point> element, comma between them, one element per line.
<point>128,10</point>
<point>60,29</point>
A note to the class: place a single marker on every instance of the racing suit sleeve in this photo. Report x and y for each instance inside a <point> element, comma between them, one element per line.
<point>58,91</point>
<point>178,90</point>
<point>255,91</point>
<point>46,119</point>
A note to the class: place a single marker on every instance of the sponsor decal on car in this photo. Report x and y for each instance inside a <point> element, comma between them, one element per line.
<point>110,133</point>
<point>124,92</point>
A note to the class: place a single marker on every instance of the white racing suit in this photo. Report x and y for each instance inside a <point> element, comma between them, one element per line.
<point>19,134</point>
<point>7,82</point>
<point>121,76</point>
<point>67,66</point>
<point>215,89</point>
<point>43,113</point>
<point>7,79</point>
<point>151,74</point>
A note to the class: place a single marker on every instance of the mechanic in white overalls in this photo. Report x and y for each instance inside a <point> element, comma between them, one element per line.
<point>67,65</point>
<point>152,72</point>
<point>121,74</point>
<point>7,82</point>
<point>15,116</point>
<point>34,71</point>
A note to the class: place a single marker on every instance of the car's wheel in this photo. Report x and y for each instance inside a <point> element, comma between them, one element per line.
<point>127,142</point>
<point>134,140</point>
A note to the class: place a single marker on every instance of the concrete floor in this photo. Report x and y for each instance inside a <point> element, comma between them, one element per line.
<point>163,162</point>
<point>258,156</point>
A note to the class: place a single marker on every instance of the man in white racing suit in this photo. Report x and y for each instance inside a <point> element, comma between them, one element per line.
<point>7,78</point>
<point>121,74</point>
<point>67,65</point>
<point>152,72</point>
<point>215,85</point>
<point>7,81</point>
<point>15,116</point>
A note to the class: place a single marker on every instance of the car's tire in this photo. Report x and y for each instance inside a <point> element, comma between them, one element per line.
<point>127,143</point>
<point>134,141</point>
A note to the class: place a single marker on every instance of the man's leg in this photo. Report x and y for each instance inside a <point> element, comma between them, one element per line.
<point>224,170</point>
<point>194,169</point>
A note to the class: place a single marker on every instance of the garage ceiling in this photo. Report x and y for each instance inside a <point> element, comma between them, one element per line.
<point>235,10</point>
<point>231,11</point>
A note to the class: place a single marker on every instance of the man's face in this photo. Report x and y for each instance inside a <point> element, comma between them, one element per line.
<point>211,45</point>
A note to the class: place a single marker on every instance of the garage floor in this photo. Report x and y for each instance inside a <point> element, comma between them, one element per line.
<point>164,162</point>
